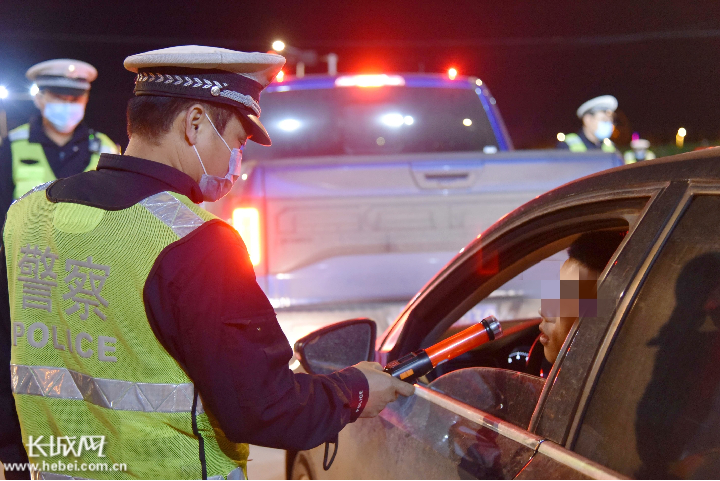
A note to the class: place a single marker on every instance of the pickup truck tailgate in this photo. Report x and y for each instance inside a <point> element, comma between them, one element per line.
<point>378,228</point>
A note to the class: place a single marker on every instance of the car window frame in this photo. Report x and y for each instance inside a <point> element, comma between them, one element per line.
<point>693,189</point>
<point>386,345</point>
<point>648,193</point>
<point>566,395</point>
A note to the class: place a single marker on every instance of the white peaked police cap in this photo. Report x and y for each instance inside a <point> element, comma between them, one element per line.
<point>604,102</point>
<point>209,74</point>
<point>63,74</point>
<point>640,144</point>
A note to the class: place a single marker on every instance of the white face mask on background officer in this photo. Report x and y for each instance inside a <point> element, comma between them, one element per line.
<point>598,126</point>
<point>62,112</point>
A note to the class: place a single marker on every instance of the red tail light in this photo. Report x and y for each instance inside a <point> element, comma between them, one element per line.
<point>246,220</point>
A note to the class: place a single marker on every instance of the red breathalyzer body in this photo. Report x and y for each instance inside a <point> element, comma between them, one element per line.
<point>416,364</point>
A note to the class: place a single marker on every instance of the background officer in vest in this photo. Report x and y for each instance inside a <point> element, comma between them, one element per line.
<point>640,150</point>
<point>56,143</point>
<point>597,126</point>
<point>135,315</point>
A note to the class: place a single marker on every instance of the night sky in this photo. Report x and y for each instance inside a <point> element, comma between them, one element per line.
<point>541,60</point>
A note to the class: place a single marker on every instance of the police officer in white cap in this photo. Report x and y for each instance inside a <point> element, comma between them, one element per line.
<point>173,352</point>
<point>597,126</point>
<point>640,150</point>
<point>55,144</point>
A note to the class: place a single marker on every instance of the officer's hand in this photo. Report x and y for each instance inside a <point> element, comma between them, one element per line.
<point>384,388</point>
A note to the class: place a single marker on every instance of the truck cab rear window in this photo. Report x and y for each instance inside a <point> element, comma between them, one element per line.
<point>362,121</point>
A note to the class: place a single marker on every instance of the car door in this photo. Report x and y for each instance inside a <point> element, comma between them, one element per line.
<point>442,432</point>
<point>652,407</point>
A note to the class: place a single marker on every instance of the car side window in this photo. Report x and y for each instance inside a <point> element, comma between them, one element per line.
<point>519,298</point>
<point>655,411</point>
<point>505,377</point>
<point>518,301</point>
<point>507,395</point>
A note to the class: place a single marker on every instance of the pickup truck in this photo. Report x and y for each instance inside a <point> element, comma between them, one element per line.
<point>372,184</point>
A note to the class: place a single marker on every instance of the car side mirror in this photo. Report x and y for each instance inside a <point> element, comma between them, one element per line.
<point>337,346</point>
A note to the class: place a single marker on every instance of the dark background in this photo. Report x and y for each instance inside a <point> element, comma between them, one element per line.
<point>540,59</point>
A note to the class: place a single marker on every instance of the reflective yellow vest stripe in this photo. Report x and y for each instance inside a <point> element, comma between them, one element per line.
<point>30,166</point>
<point>630,158</point>
<point>576,144</point>
<point>84,359</point>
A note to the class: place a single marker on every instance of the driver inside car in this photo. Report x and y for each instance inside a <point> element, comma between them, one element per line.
<point>577,296</point>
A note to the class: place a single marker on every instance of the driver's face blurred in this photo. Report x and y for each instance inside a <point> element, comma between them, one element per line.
<point>558,315</point>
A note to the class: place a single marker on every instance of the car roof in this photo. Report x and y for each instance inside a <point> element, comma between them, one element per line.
<point>701,165</point>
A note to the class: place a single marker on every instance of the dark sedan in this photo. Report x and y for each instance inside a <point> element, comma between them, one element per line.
<point>635,388</point>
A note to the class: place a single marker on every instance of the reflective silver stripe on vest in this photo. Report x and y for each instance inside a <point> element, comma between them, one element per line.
<point>58,382</point>
<point>33,190</point>
<point>22,134</point>
<point>172,213</point>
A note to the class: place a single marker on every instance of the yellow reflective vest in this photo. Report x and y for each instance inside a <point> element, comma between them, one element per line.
<point>85,364</point>
<point>576,144</point>
<point>30,166</point>
<point>629,156</point>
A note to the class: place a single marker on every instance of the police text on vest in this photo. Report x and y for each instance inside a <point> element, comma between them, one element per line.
<point>82,343</point>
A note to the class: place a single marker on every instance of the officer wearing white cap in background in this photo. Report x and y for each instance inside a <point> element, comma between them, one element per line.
<point>163,341</point>
<point>640,150</point>
<point>56,143</point>
<point>597,126</point>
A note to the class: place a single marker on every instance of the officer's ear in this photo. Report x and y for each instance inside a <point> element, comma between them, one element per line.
<point>39,100</point>
<point>589,119</point>
<point>194,117</point>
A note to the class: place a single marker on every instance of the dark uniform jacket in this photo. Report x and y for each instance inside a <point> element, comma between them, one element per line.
<point>197,288</point>
<point>589,144</point>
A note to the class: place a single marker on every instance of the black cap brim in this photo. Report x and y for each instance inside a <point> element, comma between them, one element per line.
<point>255,129</point>
<point>64,91</point>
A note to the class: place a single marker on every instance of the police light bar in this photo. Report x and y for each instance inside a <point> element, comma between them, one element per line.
<point>380,80</point>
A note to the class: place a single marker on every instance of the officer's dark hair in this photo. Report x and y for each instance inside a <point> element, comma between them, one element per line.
<point>152,116</point>
<point>594,249</point>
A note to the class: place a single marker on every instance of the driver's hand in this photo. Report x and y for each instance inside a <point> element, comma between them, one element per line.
<point>384,388</point>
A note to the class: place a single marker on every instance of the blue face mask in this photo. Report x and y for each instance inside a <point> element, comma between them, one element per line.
<point>213,187</point>
<point>63,116</point>
<point>604,130</point>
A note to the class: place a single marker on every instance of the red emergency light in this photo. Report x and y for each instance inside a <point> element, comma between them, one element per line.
<point>377,80</point>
